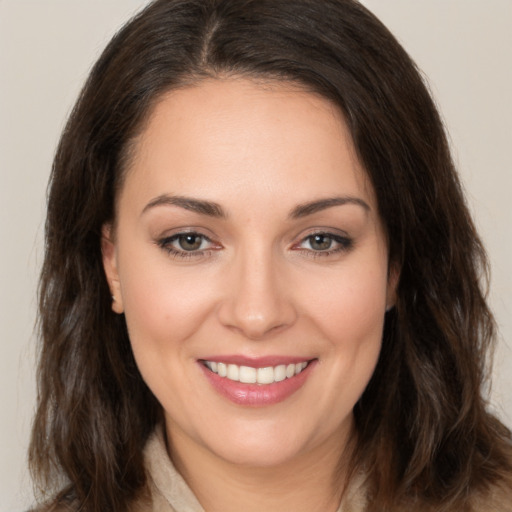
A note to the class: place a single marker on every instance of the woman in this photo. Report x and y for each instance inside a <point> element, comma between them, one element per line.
<point>262,286</point>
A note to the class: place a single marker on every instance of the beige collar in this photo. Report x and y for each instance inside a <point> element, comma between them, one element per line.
<point>170,493</point>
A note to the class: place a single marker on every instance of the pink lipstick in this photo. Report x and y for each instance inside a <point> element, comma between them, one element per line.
<point>256,382</point>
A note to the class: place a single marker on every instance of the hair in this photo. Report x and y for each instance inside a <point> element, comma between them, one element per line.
<point>424,434</point>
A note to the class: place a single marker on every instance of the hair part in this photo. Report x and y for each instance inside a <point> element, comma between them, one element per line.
<point>424,435</point>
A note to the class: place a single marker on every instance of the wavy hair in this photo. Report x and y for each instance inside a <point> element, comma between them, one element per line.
<point>424,435</point>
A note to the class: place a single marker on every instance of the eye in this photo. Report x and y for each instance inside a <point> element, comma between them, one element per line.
<point>184,245</point>
<point>320,242</point>
<point>190,242</point>
<point>325,243</point>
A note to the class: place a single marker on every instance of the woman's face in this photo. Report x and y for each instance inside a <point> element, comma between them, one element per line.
<point>248,242</point>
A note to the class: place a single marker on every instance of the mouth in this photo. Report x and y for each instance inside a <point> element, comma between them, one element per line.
<point>252,375</point>
<point>257,383</point>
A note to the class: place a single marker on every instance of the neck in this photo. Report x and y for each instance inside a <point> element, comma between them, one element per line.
<point>308,483</point>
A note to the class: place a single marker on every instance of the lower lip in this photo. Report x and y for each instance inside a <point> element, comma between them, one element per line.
<point>257,395</point>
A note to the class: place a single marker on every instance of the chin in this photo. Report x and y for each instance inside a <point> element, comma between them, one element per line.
<point>262,454</point>
<point>273,445</point>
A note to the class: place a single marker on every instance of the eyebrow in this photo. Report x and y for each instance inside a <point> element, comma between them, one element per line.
<point>213,209</point>
<point>194,205</point>
<point>305,209</point>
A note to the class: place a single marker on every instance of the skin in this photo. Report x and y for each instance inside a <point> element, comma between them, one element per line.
<point>258,285</point>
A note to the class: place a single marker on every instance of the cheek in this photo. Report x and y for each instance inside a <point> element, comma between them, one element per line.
<point>163,311</point>
<point>163,306</point>
<point>349,313</point>
<point>350,306</point>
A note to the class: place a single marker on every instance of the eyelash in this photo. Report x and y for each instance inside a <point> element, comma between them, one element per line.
<point>166,244</point>
<point>344,245</point>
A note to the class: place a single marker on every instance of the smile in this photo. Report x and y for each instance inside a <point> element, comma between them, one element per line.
<point>257,383</point>
<point>251,375</point>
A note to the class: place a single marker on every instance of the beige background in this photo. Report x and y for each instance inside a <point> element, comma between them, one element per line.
<point>46,49</point>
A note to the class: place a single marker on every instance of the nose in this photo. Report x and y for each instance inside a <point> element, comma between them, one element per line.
<point>257,300</point>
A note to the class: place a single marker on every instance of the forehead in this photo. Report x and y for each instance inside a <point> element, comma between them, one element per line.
<point>228,137</point>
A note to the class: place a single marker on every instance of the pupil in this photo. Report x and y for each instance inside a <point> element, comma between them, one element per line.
<point>190,242</point>
<point>321,242</point>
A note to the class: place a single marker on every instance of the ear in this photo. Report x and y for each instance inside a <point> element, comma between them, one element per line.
<point>109,257</point>
<point>393,278</point>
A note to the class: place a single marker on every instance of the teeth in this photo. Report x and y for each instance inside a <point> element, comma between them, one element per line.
<point>250,375</point>
<point>280,373</point>
<point>265,375</point>
<point>222,369</point>
<point>233,372</point>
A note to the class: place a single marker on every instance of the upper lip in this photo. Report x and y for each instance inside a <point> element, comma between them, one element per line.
<point>256,362</point>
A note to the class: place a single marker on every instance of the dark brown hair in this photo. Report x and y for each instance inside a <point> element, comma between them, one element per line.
<point>424,435</point>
